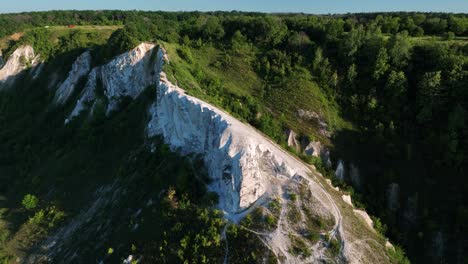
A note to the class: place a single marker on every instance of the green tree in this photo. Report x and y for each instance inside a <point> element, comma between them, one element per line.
<point>353,42</point>
<point>429,91</point>
<point>269,30</point>
<point>381,64</point>
<point>238,42</point>
<point>400,49</point>
<point>212,29</point>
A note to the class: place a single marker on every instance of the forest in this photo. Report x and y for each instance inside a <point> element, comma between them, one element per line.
<point>394,86</point>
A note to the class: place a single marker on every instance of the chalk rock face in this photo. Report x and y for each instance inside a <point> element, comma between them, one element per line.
<point>410,213</point>
<point>241,162</point>
<point>1,59</point>
<point>363,214</point>
<point>125,76</point>
<point>393,192</point>
<point>307,115</point>
<point>314,149</point>
<point>292,139</point>
<point>438,245</point>
<point>80,68</point>
<point>326,158</point>
<point>355,176</point>
<point>21,58</point>
<point>340,171</point>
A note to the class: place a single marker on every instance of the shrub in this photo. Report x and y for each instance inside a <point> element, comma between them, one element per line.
<point>397,256</point>
<point>379,227</point>
<point>334,247</point>
<point>38,218</point>
<point>293,196</point>
<point>29,201</point>
<point>450,36</point>
<point>185,54</point>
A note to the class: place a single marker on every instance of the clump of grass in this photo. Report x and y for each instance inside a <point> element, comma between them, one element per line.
<point>299,247</point>
<point>334,247</point>
<point>260,219</point>
<point>294,215</point>
<point>274,206</point>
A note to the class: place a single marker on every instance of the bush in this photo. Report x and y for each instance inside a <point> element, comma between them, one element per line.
<point>29,202</point>
<point>397,256</point>
<point>293,196</point>
<point>334,247</point>
<point>379,227</point>
<point>450,36</point>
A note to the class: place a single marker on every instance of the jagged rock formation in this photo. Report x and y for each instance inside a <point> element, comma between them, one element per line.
<point>292,140</point>
<point>22,58</point>
<point>317,149</point>
<point>355,176</point>
<point>314,149</point>
<point>125,76</point>
<point>393,192</point>
<point>340,171</point>
<point>80,68</point>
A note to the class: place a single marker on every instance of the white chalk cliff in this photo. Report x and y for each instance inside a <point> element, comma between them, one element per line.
<point>126,75</point>
<point>22,58</point>
<point>241,161</point>
<point>80,68</point>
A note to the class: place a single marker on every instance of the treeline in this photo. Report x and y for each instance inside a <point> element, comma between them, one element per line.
<point>417,24</point>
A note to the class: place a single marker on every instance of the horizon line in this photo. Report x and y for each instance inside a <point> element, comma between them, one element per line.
<point>232,11</point>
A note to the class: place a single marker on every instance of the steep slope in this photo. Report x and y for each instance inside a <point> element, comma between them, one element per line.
<point>247,169</point>
<point>284,204</point>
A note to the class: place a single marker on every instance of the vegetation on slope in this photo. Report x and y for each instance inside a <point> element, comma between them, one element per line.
<point>399,78</point>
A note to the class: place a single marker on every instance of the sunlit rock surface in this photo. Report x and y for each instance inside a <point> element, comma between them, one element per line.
<point>125,76</point>
<point>22,58</point>
<point>240,160</point>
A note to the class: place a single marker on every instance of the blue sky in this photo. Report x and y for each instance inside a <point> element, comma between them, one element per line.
<point>306,6</point>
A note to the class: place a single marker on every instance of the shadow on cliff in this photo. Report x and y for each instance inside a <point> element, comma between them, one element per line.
<point>383,162</point>
<point>30,130</point>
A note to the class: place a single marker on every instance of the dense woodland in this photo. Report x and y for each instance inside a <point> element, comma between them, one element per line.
<point>400,79</point>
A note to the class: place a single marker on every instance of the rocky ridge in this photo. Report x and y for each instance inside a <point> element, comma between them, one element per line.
<point>125,76</point>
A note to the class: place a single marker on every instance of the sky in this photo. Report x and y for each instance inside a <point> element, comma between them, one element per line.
<point>305,6</point>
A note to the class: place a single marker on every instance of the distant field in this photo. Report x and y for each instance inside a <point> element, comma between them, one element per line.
<point>105,32</point>
<point>426,39</point>
<point>87,27</point>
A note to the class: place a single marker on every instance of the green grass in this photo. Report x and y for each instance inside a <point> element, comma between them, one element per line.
<point>238,79</point>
